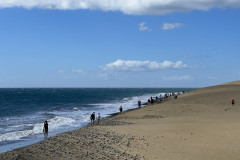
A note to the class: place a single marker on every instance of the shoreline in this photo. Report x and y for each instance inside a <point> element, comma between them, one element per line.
<point>104,122</point>
<point>188,127</point>
<point>38,138</point>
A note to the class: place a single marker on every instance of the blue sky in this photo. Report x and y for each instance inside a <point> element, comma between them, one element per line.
<point>97,45</point>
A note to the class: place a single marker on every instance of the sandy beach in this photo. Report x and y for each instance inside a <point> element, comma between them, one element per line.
<point>199,125</point>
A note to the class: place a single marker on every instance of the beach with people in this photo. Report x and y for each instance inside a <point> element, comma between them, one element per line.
<point>201,124</point>
<point>24,110</point>
<point>119,80</point>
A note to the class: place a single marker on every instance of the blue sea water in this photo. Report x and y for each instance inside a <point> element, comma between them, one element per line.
<point>23,110</point>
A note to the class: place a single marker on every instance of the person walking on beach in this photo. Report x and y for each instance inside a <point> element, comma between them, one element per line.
<point>92,118</point>
<point>98,118</point>
<point>45,129</point>
<point>152,100</point>
<point>149,101</point>
<point>233,101</point>
<point>175,96</point>
<point>139,104</point>
<point>120,109</point>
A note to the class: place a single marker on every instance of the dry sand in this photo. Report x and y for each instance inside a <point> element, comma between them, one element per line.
<point>199,125</point>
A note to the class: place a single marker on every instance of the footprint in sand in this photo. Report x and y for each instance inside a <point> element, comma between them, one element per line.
<point>227,109</point>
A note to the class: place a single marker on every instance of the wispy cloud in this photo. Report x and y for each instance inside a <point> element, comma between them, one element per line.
<point>169,26</point>
<point>103,76</point>
<point>79,71</point>
<point>179,78</point>
<point>60,71</point>
<point>133,7</point>
<point>142,27</point>
<point>123,65</point>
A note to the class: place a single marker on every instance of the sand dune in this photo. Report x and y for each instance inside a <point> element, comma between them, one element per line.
<point>231,83</point>
<point>199,125</point>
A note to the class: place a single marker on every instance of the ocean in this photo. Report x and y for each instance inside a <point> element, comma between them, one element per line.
<point>24,110</point>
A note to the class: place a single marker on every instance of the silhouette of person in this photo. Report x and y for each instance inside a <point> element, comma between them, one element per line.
<point>120,109</point>
<point>139,103</point>
<point>98,118</point>
<point>92,118</point>
<point>45,129</point>
<point>233,101</point>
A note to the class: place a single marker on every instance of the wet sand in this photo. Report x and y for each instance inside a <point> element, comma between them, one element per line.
<point>199,125</point>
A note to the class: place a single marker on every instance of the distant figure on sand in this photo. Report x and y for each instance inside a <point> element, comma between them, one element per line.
<point>92,118</point>
<point>139,103</point>
<point>120,109</point>
<point>98,118</point>
<point>152,100</point>
<point>175,96</point>
<point>166,96</point>
<point>45,129</point>
<point>233,101</point>
<point>149,101</point>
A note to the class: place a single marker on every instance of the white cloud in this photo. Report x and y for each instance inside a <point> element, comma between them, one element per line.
<point>179,78</point>
<point>134,7</point>
<point>122,65</point>
<point>168,26</point>
<point>143,27</point>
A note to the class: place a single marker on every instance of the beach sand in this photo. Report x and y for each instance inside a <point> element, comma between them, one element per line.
<point>199,125</point>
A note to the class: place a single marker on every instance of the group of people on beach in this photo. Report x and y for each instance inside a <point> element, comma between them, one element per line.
<point>92,117</point>
<point>150,101</point>
<point>162,98</point>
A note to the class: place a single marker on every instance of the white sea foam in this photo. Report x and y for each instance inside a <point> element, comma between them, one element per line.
<point>59,121</point>
<point>66,118</point>
<point>20,134</point>
<point>54,124</point>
